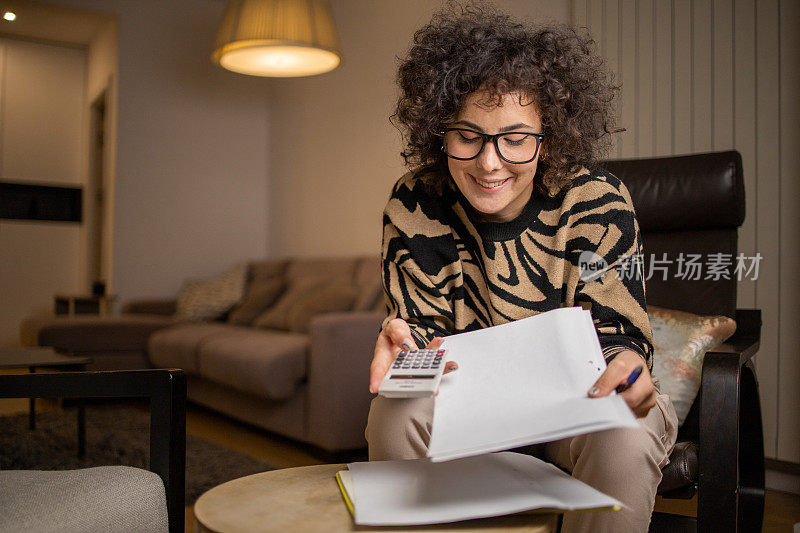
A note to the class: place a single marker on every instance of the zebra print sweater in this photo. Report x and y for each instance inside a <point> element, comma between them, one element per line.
<point>446,271</point>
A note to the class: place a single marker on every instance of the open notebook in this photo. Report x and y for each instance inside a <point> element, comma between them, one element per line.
<point>522,383</point>
<point>415,492</point>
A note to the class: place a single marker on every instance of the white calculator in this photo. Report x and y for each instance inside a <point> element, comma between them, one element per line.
<point>414,374</point>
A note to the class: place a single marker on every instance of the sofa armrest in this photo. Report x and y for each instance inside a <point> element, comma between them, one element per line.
<point>165,307</point>
<point>338,378</point>
<point>99,334</point>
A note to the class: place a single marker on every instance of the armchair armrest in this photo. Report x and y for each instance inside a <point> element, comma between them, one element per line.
<point>166,390</point>
<point>731,443</point>
<point>338,377</point>
<point>745,342</point>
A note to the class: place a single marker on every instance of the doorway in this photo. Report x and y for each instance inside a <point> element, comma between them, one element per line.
<point>96,193</point>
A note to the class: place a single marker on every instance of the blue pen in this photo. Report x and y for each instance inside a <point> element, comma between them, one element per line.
<point>631,378</point>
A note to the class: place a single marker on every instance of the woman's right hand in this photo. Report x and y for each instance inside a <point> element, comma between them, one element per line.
<point>395,337</point>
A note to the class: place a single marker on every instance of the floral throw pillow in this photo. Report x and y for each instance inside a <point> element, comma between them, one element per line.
<point>680,342</point>
<point>208,299</point>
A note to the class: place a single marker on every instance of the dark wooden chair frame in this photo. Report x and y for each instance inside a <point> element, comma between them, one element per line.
<point>730,484</point>
<point>166,391</point>
<point>721,454</point>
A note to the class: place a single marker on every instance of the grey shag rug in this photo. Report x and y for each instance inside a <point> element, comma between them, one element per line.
<point>116,434</point>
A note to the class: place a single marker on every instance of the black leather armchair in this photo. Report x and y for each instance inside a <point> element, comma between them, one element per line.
<point>694,205</point>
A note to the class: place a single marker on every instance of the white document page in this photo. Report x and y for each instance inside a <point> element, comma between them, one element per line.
<point>522,383</point>
<point>394,493</point>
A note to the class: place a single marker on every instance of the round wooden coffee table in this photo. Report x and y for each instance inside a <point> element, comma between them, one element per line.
<point>307,499</point>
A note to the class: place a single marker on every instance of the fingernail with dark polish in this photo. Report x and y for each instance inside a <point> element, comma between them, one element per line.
<point>407,345</point>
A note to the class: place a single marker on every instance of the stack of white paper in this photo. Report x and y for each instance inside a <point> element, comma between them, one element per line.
<point>397,493</point>
<point>522,383</point>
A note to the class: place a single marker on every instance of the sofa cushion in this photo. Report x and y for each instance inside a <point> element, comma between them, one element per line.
<point>177,346</point>
<point>329,298</point>
<point>208,299</point>
<point>264,363</point>
<point>368,281</point>
<point>266,270</point>
<point>277,316</point>
<point>305,299</point>
<point>260,295</point>
<point>342,269</point>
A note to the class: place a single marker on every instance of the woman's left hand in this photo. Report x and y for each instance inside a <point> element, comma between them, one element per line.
<point>641,396</point>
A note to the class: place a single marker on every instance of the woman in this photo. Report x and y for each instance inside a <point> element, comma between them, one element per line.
<point>503,124</point>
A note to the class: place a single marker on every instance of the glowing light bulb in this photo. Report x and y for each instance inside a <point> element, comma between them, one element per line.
<point>9,16</point>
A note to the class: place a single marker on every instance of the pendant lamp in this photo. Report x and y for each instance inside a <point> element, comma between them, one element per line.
<point>278,38</point>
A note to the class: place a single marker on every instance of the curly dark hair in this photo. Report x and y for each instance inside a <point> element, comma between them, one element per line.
<point>465,48</point>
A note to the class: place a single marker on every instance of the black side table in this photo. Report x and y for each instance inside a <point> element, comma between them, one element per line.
<point>46,357</point>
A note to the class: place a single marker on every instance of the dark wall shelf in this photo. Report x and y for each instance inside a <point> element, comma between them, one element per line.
<point>20,201</point>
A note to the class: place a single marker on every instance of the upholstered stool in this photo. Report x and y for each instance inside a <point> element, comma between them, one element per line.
<point>104,499</point>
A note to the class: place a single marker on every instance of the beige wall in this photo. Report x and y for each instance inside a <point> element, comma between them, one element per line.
<point>190,195</point>
<point>708,75</point>
<point>41,106</point>
<point>43,87</point>
<point>334,155</point>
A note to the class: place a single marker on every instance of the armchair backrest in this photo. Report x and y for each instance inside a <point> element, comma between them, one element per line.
<point>687,205</point>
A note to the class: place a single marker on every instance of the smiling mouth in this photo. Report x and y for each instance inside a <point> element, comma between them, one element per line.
<point>489,185</point>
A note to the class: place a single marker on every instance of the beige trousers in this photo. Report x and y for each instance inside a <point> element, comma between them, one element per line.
<point>623,463</point>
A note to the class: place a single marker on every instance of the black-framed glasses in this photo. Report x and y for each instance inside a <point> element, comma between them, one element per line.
<point>516,147</point>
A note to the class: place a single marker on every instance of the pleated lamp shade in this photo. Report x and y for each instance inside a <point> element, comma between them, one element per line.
<point>279,38</point>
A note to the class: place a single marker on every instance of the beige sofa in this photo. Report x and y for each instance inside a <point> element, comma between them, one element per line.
<point>291,357</point>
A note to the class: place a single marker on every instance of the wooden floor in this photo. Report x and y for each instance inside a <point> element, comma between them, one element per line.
<point>782,510</point>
